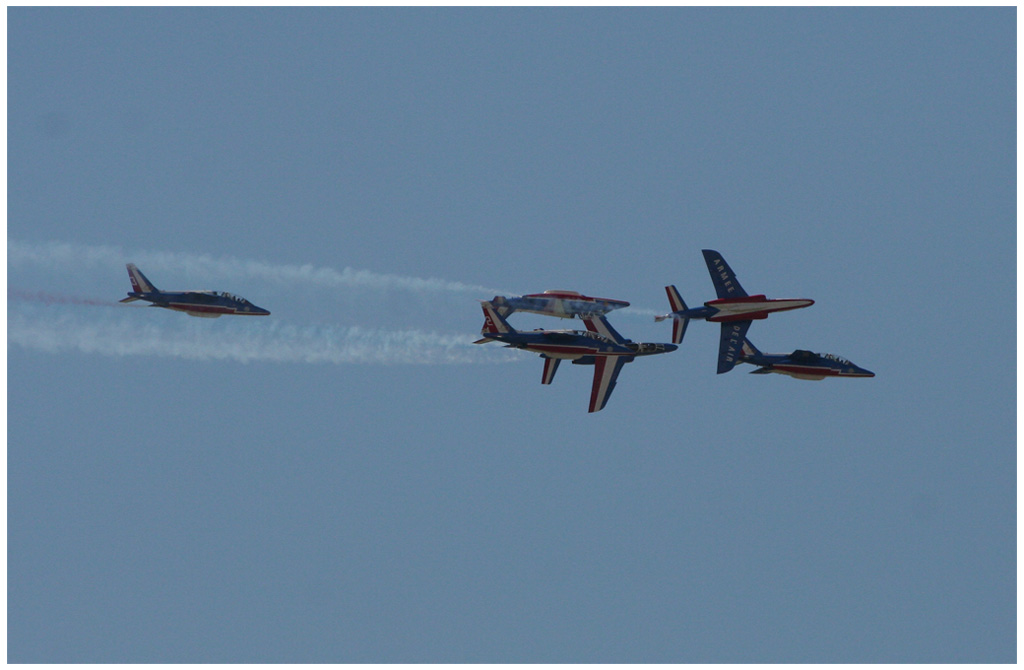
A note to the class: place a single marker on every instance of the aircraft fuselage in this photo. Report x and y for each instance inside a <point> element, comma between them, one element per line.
<point>576,344</point>
<point>206,304</point>
<point>748,308</point>
<point>600,346</point>
<point>805,365</point>
<point>812,372</point>
<point>563,304</point>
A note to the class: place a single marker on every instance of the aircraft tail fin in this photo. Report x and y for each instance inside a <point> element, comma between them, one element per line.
<point>749,350</point>
<point>493,321</point>
<point>679,323</point>
<point>139,282</point>
<point>502,306</point>
<point>600,325</point>
<point>675,300</point>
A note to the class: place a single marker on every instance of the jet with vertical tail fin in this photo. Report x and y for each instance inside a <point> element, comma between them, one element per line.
<point>207,304</point>
<point>800,364</point>
<point>734,309</point>
<point>600,345</point>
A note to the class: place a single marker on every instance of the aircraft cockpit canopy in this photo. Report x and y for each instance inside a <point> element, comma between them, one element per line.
<point>837,359</point>
<point>594,336</point>
<point>231,296</point>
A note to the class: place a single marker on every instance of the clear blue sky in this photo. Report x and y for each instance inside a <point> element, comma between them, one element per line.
<point>349,480</point>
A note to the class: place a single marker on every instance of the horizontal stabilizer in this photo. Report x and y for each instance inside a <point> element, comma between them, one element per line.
<point>749,350</point>
<point>131,298</point>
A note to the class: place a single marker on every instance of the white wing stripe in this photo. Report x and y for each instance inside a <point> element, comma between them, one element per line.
<point>605,372</point>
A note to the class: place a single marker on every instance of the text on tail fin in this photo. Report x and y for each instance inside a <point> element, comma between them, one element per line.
<point>493,322</point>
<point>139,282</point>
<point>722,276</point>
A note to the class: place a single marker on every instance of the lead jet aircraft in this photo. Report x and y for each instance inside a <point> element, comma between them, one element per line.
<point>208,304</point>
<point>563,304</point>
<point>600,345</point>
<point>800,364</point>
<point>734,309</point>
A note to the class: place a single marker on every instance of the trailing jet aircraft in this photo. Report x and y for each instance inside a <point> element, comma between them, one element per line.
<point>734,309</point>
<point>563,304</point>
<point>600,345</point>
<point>209,304</point>
<point>800,364</point>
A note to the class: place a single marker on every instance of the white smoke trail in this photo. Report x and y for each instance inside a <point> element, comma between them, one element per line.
<point>62,325</point>
<point>62,255</point>
<point>640,312</point>
<point>56,256</point>
<point>66,332</point>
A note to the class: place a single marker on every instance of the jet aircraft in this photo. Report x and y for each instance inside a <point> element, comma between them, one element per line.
<point>600,345</point>
<point>208,304</point>
<point>563,304</point>
<point>734,309</point>
<point>800,364</point>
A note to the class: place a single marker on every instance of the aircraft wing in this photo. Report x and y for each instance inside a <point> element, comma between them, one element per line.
<point>550,368</point>
<point>722,276</point>
<point>731,345</point>
<point>606,371</point>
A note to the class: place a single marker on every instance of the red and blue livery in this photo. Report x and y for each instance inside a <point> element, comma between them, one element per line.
<point>207,304</point>
<point>801,364</point>
<point>734,309</point>
<point>600,345</point>
<point>563,304</point>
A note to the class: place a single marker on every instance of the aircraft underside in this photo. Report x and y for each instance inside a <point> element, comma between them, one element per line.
<point>204,313</point>
<point>803,374</point>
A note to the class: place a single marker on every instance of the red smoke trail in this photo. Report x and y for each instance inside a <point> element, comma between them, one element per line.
<point>54,298</point>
